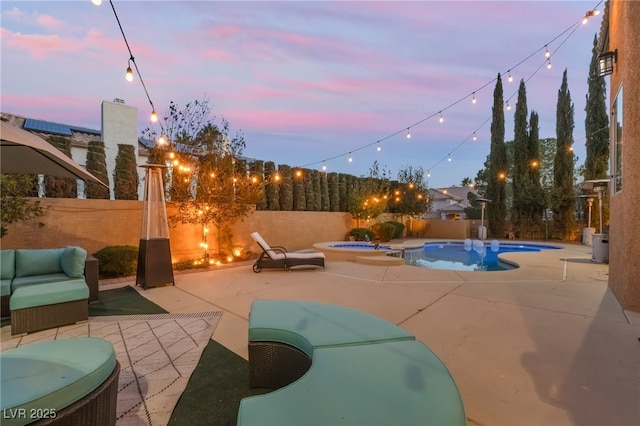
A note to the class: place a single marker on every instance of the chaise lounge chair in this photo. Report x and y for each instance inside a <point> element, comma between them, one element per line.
<point>278,257</point>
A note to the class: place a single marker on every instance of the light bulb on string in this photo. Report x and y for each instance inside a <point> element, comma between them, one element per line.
<point>162,140</point>
<point>129,74</point>
<point>473,100</point>
<point>154,116</point>
<point>449,158</point>
<point>428,173</point>
<point>546,52</point>
<point>508,106</point>
<point>549,64</point>
<point>441,117</point>
<point>379,148</point>
<point>96,2</point>
<point>324,166</point>
<point>408,133</point>
<point>510,77</point>
<point>475,137</point>
<point>350,158</point>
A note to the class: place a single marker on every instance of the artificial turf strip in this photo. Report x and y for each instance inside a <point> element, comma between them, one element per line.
<point>214,391</point>
<point>123,301</point>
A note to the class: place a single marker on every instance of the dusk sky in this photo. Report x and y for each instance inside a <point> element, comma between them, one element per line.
<point>308,82</point>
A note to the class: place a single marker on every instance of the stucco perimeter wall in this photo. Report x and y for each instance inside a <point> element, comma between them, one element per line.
<point>624,241</point>
<point>95,224</point>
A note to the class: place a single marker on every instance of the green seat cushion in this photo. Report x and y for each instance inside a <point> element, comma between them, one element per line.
<point>5,287</point>
<point>48,294</point>
<point>7,264</point>
<point>393,383</point>
<point>72,261</point>
<point>38,262</point>
<point>54,374</point>
<point>40,279</point>
<point>311,325</point>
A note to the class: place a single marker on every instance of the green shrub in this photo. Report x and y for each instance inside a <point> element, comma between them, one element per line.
<point>399,227</point>
<point>117,261</point>
<point>384,231</point>
<point>359,234</point>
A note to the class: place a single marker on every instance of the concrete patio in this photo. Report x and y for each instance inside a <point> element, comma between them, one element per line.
<point>545,344</point>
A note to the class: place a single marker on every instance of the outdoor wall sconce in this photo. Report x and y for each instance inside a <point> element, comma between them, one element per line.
<point>606,61</point>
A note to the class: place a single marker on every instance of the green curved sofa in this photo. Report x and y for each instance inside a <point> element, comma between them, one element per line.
<point>63,382</point>
<point>332,365</point>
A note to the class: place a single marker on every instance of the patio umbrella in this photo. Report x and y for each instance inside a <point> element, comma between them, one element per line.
<point>24,152</point>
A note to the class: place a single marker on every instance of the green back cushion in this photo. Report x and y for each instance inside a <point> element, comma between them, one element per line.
<point>37,262</point>
<point>7,264</point>
<point>72,261</point>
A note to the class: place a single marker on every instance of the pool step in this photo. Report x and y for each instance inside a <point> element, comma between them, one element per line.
<point>380,260</point>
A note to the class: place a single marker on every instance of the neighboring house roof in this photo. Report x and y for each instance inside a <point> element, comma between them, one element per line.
<point>454,196</point>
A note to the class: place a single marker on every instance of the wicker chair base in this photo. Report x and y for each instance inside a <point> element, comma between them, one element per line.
<point>96,409</point>
<point>4,306</point>
<point>274,365</point>
<point>39,318</point>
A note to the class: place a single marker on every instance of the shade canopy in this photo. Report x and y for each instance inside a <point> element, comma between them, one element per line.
<point>24,152</point>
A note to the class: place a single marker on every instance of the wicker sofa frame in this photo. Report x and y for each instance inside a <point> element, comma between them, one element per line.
<point>273,365</point>
<point>96,409</point>
<point>44,317</point>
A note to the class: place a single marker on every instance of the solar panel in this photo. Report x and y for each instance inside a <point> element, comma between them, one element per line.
<point>56,128</point>
<point>47,127</point>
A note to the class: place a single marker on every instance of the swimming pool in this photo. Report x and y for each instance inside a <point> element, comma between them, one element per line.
<point>468,255</point>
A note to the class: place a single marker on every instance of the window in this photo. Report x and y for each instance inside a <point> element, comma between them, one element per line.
<point>616,142</point>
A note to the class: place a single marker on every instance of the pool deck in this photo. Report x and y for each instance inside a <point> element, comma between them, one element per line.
<point>544,344</point>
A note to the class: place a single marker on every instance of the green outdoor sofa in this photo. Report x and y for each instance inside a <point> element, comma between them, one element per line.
<point>43,288</point>
<point>332,365</point>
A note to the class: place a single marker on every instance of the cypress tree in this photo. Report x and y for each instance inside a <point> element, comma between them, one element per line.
<point>286,187</point>
<point>308,189</point>
<point>317,196</point>
<point>334,193</point>
<point>299,196</point>
<point>272,188</point>
<point>257,172</point>
<point>60,187</point>
<point>597,130</point>
<point>97,165</point>
<point>521,165</point>
<point>324,192</point>
<point>498,166</point>
<point>342,191</point>
<point>125,175</point>
<point>536,202</point>
<point>563,194</point>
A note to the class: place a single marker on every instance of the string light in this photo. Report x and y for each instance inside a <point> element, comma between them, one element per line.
<point>549,64</point>
<point>546,53</point>
<point>408,133</point>
<point>449,158</point>
<point>508,106</point>
<point>475,137</point>
<point>129,74</point>
<point>428,173</point>
<point>589,14</point>
<point>473,100</point>
<point>379,148</point>
<point>324,166</point>
<point>441,117</point>
<point>350,158</point>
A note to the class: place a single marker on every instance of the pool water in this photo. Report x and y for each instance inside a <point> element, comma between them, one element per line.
<point>453,256</point>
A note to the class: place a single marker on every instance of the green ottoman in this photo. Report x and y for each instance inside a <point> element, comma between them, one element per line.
<point>284,335</point>
<point>69,381</point>
<point>393,383</point>
<point>50,305</point>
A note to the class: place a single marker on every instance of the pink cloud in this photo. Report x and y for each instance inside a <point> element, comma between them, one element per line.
<point>39,46</point>
<point>51,23</point>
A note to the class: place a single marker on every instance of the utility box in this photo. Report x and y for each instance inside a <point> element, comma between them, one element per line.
<point>600,251</point>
